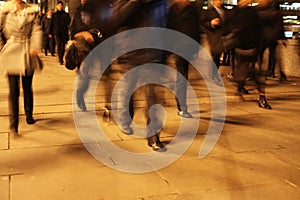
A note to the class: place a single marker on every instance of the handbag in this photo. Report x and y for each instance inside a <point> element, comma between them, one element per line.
<point>78,50</point>
<point>36,63</point>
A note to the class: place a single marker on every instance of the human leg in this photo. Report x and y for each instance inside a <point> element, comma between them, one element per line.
<point>13,103</point>
<point>28,98</point>
<point>60,48</point>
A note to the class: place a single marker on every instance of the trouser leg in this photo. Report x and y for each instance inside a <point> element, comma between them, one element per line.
<point>28,95</point>
<point>182,67</point>
<point>13,103</point>
<point>60,48</point>
<point>153,123</point>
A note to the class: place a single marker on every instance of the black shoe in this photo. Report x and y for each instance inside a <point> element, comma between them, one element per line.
<point>243,90</point>
<point>14,133</point>
<point>30,120</point>
<point>283,78</point>
<point>14,130</point>
<point>156,146</point>
<point>184,114</point>
<point>127,130</point>
<point>262,102</point>
<point>271,74</point>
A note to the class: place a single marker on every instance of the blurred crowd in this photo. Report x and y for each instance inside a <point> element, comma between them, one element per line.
<point>237,37</point>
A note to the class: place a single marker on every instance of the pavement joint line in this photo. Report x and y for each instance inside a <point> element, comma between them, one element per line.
<point>242,186</point>
<point>44,147</point>
<point>286,162</point>
<point>9,188</point>
<point>8,140</point>
<point>290,183</point>
<point>160,195</point>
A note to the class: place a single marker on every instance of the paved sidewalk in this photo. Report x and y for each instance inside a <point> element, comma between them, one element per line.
<point>257,155</point>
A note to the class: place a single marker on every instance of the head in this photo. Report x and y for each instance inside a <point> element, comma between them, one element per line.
<point>77,52</point>
<point>60,6</point>
<point>49,13</point>
<point>217,3</point>
<point>244,3</point>
<point>83,2</point>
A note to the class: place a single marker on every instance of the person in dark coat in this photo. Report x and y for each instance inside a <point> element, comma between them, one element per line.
<point>85,35</point>
<point>272,30</point>
<point>60,28</point>
<point>214,20</point>
<point>183,17</point>
<point>245,19</point>
<point>48,40</point>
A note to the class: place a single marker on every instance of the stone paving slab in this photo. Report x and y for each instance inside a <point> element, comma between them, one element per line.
<point>230,172</point>
<point>274,190</point>
<point>256,157</point>
<point>4,187</point>
<point>4,143</point>
<point>88,183</point>
<point>44,159</point>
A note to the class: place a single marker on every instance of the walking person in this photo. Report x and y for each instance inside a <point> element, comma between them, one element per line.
<point>60,27</point>
<point>86,26</point>
<point>246,20</point>
<point>272,31</point>
<point>146,13</point>
<point>214,20</point>
<point>23,35</point>
<point>48,40</point>
<point>183,17</point>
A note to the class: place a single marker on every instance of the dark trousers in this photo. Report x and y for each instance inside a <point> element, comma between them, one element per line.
<point>123,103</point>
<point>245,68</point>
<point>14,93</point>
<point>182,66</point>
<point>272,55</point>
<point>61,45</point>
<point>48,44</point>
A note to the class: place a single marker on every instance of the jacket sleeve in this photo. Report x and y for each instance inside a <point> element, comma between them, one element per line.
<point>77,25</point>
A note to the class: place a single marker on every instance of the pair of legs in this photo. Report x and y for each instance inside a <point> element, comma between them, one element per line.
<point>49,45</point>
<point>14,93</point>
<point>245,61</point>
<point>122,101</point>
<point>61,46</point>
<point>271,58</point>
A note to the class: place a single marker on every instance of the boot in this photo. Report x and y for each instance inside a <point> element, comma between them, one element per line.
<point>262,102</point>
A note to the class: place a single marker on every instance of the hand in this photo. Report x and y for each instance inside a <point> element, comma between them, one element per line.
<point>86,35</point>
<point>34,51</point>
<point>215,22</point>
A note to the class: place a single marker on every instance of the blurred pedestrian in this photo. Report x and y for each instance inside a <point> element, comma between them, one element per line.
<point>140,13</point>
<point>85,25</point>
<point>246,20</point>
<point>48,39</point>
<point>40,15</point>
<point>23,35</point>
<point>272,31</point>
<point>60,27</point>
<point>213,21</point>
<point>183,17</point>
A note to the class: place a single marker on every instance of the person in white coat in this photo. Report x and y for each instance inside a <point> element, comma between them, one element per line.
<point>21,41</point>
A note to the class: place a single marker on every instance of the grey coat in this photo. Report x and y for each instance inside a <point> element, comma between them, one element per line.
<point>21,36</point>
